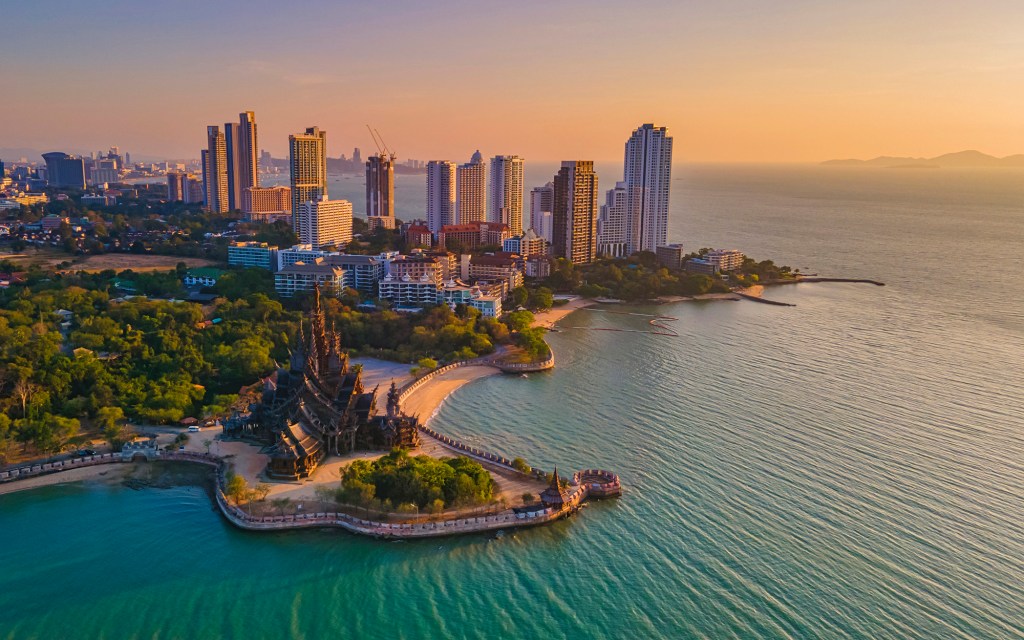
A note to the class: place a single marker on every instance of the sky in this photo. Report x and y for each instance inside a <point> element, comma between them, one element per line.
<point>733,80</point>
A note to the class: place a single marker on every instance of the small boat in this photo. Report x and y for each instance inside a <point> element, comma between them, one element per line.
<point>523,375</point>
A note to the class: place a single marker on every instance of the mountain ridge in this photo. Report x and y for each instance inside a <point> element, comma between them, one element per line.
<point>960,159</point>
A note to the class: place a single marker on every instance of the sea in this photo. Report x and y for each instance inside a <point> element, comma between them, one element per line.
<point>848,467</point>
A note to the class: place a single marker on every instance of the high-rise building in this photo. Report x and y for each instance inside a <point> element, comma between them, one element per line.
<point>470,191</point>
<point>440,194</point>
<point>540,210</point>
<point>613,229</point>
<point>648,170</point>
<point>176,186</point>
<point>380,190</point>
<point>64,171</point>
<point>357,156</point>
<point>215,170</point>
<point>574,212</point>
<point>232,142</point>
<point>323,222</point>
<point>3,172</point>
<point>308,162</point>
<point>506,192</point>
<point>249,167</point>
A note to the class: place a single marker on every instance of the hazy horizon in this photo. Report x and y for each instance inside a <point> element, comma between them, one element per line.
<point>801,81</point>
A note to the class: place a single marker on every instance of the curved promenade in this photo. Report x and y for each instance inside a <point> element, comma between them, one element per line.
<point>585,484</point>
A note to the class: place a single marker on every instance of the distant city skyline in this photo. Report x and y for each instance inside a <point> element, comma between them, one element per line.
<point>737,81</point>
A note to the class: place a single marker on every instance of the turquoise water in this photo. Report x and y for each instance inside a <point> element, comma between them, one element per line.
<point>849,467</point>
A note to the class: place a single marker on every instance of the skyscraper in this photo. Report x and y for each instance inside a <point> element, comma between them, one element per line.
<point>177,183</point>
<point>648,170</point>
<point>440,194</point>
<point>540,210</point>
<point>64,171</point>
<point>380,191</point>
<point>215,170</point>
<point>248,163</point>
<point>613,224</point>
<point>470,190</point>
<point>574,212</point>
<point>233,142</point>
<point>308,162</point>
<point>506,192</point>
<point>323,222</point>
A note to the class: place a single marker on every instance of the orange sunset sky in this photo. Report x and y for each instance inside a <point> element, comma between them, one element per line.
<point>787,81</point>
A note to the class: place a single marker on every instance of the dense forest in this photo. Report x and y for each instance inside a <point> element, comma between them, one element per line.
<point>73,354</point>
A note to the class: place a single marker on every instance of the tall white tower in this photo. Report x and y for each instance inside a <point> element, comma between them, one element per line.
<point>440,194</point>
<point>648,174</point>
<point>506,193</point>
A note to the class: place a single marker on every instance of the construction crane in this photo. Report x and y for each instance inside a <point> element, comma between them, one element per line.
<point>382,147</point>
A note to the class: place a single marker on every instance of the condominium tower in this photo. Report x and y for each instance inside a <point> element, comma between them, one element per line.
<point>648,173</point>
<point>215,171</point>
<point>308,162</point>
<point>242,167</point>
<point>380,191</point>
<point>540,210</point>
<point>470,190</point>
<point>323,222</point>
<point>613,224</point>
<point>506,192</point>
<point>574,212</point>
<point>440,194</point>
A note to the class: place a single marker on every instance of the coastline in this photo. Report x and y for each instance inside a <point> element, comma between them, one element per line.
<point>109,473</point>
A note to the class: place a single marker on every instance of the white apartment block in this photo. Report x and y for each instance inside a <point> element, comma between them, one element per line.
<point>506,192</point>
<point>613,230</point>
<point>323,222</point>
<point>648,168</point>
<point>440,194</point>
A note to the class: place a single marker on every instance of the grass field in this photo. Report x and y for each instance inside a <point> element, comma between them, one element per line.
<point>93,264</point>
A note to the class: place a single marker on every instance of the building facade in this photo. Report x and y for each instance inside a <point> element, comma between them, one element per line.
<point>574,212</point>
<point>440,194</point>
<point>473,234</point>
<point>261,203</point>
<point>323,222</point>
<point>64,171</point>
<point>253,254</point>
<point>613,229</point>
<point>302,276</point>
<point>471,191</point>
<point>215,170</point>
<point>526,245</point>
<point>380,191</point>
<point>671,256</point>
<point>648,170</point>
<point>506,192</point>
<point>307,159</point>
<point>541,204</point>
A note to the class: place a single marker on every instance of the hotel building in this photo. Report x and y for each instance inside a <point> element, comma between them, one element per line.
<point>470,191</point>
<point>506,192</point>
<point>440,194</point>
<point>308,164</point>
<point>215,171</point>
<point>323,222</point>
<point>648,170</point>
<point>574,212</point>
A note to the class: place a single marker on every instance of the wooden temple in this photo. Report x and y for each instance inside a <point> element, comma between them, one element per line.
<point>318,407</point>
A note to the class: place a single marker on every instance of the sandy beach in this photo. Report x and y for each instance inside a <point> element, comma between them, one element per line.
<point>547,319</point>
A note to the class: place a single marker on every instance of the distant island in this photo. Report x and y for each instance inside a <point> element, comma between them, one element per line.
<point>960,159</point>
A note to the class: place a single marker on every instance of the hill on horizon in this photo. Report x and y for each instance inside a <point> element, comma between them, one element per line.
<point>961,159</point>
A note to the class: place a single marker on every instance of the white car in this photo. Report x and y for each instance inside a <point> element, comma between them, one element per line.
<point>193,429</point>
